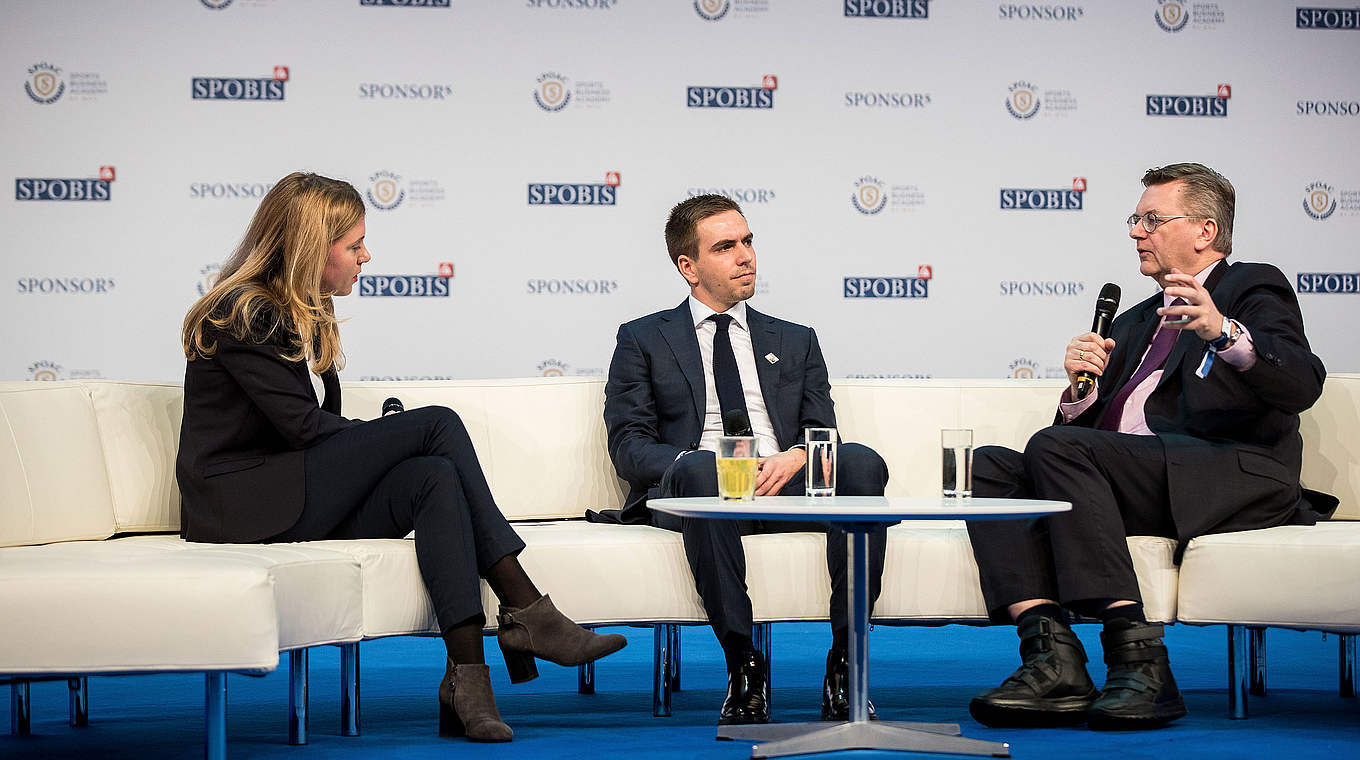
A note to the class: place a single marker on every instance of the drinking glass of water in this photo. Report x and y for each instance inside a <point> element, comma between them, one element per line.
<point>956,448</point>
<point>737,466</point>
<point>821,461</point>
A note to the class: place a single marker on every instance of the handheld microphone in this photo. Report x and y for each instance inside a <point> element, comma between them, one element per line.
<point>736,422</point>
<point>392,405</point>
<point>1107,303</point>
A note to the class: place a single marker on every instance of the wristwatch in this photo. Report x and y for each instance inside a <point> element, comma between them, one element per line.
<point>1227,337</point>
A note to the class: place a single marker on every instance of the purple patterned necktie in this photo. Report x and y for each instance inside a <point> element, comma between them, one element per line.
<point>1153,361</point>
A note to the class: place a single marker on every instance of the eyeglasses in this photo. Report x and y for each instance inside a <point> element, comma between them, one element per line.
<point>1151,221</point>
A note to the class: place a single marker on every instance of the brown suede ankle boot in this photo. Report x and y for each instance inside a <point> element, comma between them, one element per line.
<point>539,630</point>
<point>467,706</point>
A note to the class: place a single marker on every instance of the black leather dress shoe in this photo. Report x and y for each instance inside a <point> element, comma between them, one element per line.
<point>1140,691</point>
<point>748,693</point>
<point>1051,688</point>
<point>836,688</point>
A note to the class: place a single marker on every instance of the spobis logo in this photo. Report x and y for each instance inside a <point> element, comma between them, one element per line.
<point>1212,106</point>
<point>65,189</point>
<point>887,8</point>
<point>408,285</point>
<point>1319,200</point>
<point>756,98</point>
<point>1327,18</point>
<point>207,278</point>
<point>872,195</point>
<point>241,88</point>
<point>885,287</point>
<point>575,194</point>
<point>1041,199</point>
<point>1329,282</point>
<point>406,3</point>
<point>45,83</point>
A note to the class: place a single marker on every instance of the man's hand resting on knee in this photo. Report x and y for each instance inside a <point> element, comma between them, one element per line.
<point>776,471</point>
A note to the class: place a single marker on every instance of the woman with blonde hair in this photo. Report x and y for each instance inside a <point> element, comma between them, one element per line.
<point>265,455</point>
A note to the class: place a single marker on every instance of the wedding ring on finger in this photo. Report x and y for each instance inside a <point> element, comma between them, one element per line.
<point>1081,355</point>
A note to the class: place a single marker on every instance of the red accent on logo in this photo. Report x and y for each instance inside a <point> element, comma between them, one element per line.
<point>1225,91</point>
<point>446,269</point>
<point>769,82</point>
<point>106,173</point>
<point>281,73</point>
<point>924,272</point>
<point>611,179</point>
<point>1079,184</point>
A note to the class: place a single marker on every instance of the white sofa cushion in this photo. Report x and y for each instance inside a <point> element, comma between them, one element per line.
<point>1293,576</point>
<point>139,430</point>
<point>53,480</point>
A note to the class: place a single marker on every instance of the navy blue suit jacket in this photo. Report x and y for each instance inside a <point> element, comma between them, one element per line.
<point>654,399</point>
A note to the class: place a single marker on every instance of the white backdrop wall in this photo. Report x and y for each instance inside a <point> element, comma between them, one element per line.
<point>888,146</point>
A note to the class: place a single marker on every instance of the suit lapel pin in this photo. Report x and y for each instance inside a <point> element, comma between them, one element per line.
<point>771,358</point>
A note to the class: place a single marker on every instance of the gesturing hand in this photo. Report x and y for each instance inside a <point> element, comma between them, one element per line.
<point>1198,313</point>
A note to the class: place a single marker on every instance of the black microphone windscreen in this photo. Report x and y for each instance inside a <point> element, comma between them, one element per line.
<point>392,404</point>
<point>736,422</point>
<point>1108,301</point>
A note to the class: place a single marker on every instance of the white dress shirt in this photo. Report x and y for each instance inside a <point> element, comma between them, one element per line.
<point>740,334</point>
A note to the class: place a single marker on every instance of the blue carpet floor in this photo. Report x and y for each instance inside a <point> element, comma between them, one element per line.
<point>923,674</point>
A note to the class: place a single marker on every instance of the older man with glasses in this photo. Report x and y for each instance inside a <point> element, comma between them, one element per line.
<point>1191,428</point>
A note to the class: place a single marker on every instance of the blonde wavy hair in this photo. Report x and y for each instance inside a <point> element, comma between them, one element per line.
<point>271,284</point>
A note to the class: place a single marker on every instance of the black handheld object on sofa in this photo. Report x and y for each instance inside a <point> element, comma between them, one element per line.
<point>1107,303</point>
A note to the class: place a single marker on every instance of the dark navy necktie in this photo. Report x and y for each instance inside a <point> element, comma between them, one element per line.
<point>1152,361</point>
<point>726,378</point>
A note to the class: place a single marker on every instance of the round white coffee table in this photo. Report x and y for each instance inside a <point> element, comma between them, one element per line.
<point>858,516</point>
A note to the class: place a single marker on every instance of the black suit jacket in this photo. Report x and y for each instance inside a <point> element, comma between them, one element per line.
<point>1233,449</point>
<point>249,415</point>
<point>654,398</point>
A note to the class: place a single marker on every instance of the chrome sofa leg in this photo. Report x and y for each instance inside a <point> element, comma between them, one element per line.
<point>675,657</point>
<point>20,710</point>
<point>1257,647</point>
<point>349,689</point>
<point>1350,667</point>
<point>661,666</point>
<point>215,712</point>
<point>79,701</point>
<point>297,696</point>
<point>585,678</point>
<point>1237,672</point>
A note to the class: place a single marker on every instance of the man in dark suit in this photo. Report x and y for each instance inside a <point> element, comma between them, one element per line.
<point>1191,428</point>
<point>674,376</point>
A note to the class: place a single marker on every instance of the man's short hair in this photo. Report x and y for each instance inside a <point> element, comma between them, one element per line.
<point>682,226</point>
<point>1207,194</point>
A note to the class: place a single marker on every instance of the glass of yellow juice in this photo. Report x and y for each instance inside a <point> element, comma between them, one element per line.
<point>737,468</point>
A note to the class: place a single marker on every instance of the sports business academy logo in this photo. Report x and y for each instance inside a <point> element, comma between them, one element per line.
<point>66,188</point>
<point>554,91</point>
<point>1321,200</point>
<point>717,10</point>
<point>1173,16</point>
<point>387,190</point>
<point>44,371</point>
<point>872,195</point>
<point>1024,101</point>
<point>46,83</point>
<point>271,88</point>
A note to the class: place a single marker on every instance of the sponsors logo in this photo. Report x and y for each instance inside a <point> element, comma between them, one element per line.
<point>387,190</point>
<point>207,278</point>
<point>406,3</point>
<point>1212,106</point>
<point>45,371</point>
<point>887,287</point>
<point>241,88</point>
<point>1044,199</point>
<point>554,91</point>
<point>64,188</point>
<point>889,100</point>
<point>404,91</point>
<point>1174,15</point>
<point>603,5</point>
<point>575,287</point>
<point>890,376</point>
<point>404,378</point>
<point>80,285</point>
<point>717,10</point>
<point>46,84</point>
<point>887,8</point>
<point>1327,18</point>
<point>556,368</point>
<point>575,193</point>
<point>1329,282</point>
<point>872,195</point>
<point>1028,12</point>
<point>1024,100</point>
<point>744,195</point>
<point>1321,200</point>
<point>1028,369</point>
<point>223,191</point>
<point>758,98</point>
<point>408,285</point>
<point>1042,288</point>
<point>1327,108</point>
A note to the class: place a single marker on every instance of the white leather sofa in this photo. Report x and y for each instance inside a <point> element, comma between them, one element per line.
<point>89,512</point>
